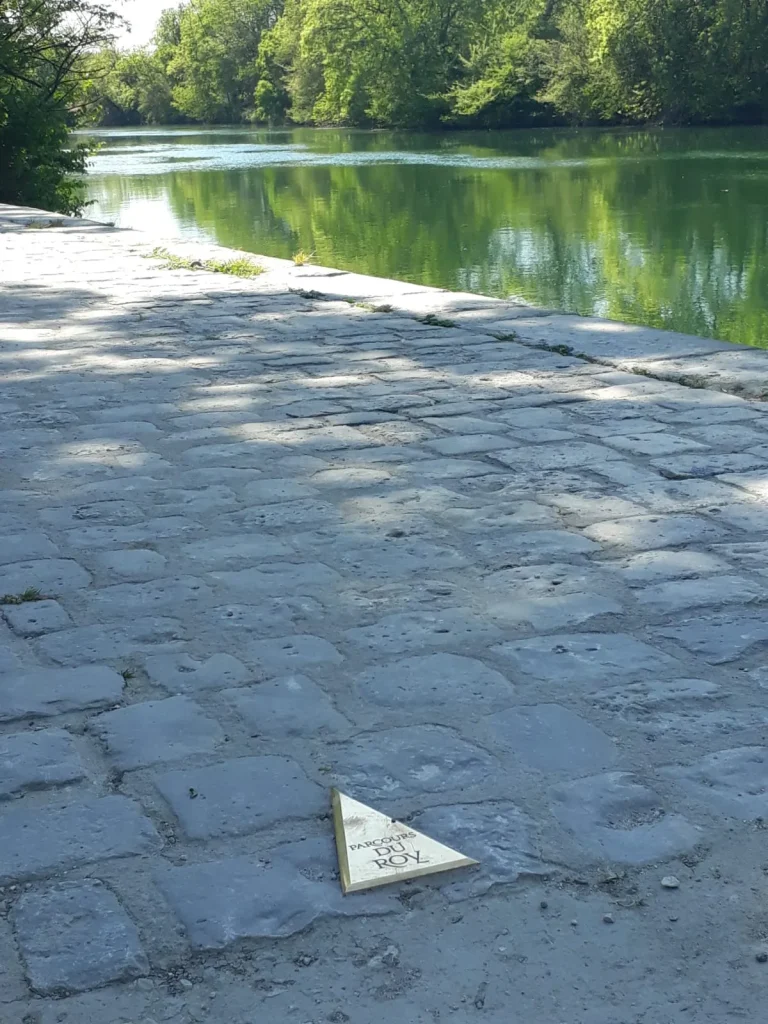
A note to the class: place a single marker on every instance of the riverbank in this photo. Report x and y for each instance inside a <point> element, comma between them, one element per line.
<point>662,355</point>
<point>265,536</point>
<point>659,228</point>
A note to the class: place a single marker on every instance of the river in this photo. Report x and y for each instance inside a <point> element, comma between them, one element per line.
<point>660,227</point>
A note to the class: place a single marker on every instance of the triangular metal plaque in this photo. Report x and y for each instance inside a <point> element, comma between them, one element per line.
<point>375,850</point>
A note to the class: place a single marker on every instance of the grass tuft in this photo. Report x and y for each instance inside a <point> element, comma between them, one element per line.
<point>301,258</point>
<point>436,321</point>
<point>30,594</point>
<point>241,267</point>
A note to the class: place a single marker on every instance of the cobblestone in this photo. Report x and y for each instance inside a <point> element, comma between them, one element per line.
<point>292,652</point>
<point>180,672</point>
<point>156,730</point>
<point>19,547</point>
<point>76,936</point>
<point>290,706</point>
<point>585,659</point>
<point>240,796</point>
<point>498,835</point>
<point>246,898</point>
<point>433,679</point>
<point>645,532</point>
<point>99,643</point>
<point>549,738</point>
<point>34,618</point>
<point>719,637</point>
<point>46,692</point>
<point>411,762</point>
<point>38,841</point>
<point>37,760</point>
<point>513,598</point>
<point>48,575</point>
<point>731,782</point>
<point>622,821</point>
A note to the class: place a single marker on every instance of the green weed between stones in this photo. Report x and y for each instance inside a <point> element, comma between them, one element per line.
<point>435,321</point>
<point>242,267</point>
<point>301,258</point>
<point>30,594</point>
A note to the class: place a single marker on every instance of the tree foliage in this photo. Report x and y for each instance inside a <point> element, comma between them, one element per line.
<point>213,65</point>
<point>45,48</point>
<point>428,63</point>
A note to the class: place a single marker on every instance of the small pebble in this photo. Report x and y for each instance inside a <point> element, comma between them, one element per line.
<point>670,882</point>
<point>574,923</point>
<point>185,983</point>
<point>761,958</point>
<point>543,905</point>
<point>608,919</point>
<point>673,919</point>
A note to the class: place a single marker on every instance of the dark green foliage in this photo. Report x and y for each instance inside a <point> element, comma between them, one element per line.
<point>430,63</point>
<point>44,47</point>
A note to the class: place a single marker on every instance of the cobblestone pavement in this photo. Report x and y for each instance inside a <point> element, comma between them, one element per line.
<point>283,542</point>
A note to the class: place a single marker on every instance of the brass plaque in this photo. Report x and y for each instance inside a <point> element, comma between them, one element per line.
<point>373,849</point>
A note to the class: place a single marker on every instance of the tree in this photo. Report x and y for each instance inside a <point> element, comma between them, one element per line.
<point>128,89</point>
<point>213,64</point>
<point>44,49</point>
<point>427,63</point>
<point>369,61</point>
<point>502,67</point>
<point>675,61</point>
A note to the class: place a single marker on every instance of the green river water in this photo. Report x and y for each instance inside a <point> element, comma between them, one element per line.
<point>660,227</point>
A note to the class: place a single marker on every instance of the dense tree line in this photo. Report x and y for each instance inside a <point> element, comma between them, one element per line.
<point>403,63</point>
<point>428,63</point>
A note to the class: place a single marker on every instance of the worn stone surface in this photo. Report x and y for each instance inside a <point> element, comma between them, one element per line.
<point>13,987</point>
<point>656,693</point>
<point>75,936</point>
<point>412,761</point>
<point>412,631</point>
<point>156,730</point>
<point>290,706</point>
<point>720,637</point>
<point>651,566</point>
<point>221,902</point>
<point>616,818</point>
<point>641,533</point>
<point>240,796</point>
<point>131,564</point>
<point>182,673</point>
<point>292,652</point>
<point>551,739</point>
<point>585,659</point>
<point>433,679</point>
<point>36,760</point>
<point>512,596</point>
<point>716,590</point>
<point>732,782</point>
<point>48,575</point>
<point>498,835</point>
<point>19,547</point>
<point>46,692</point>
<point>38,841</point>
<point>133,636</point>
<point>36,617</point>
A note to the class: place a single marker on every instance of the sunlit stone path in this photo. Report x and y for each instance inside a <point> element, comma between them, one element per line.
<point>486,568</point>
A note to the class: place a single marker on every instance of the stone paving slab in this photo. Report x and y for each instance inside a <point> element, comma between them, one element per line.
<point>36,760</point>
<point>505,580</point>
<point>75,936</point>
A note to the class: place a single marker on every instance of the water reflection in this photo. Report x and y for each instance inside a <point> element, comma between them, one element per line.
<point>666,228</point>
